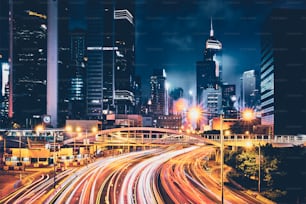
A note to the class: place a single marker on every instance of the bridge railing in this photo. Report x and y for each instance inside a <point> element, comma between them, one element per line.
<point>290,139</point>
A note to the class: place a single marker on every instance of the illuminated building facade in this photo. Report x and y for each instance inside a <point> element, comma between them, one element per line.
<point>158,92</point>
<point>77,76</point>
<point>169,121</point>
<point>208,77</point>
<point>65,71</point>
<point>209,70</point>
<point>110,49</point>
<point>228,100</point>
<point>4,96</point>
<point>283,64</point>
<point>28,61</point>
<point>212,103</point>
<point>250,90</point>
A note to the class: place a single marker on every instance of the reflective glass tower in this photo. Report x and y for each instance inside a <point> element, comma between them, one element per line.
<point>28,58</point>
<point>283,64</point>
<point>208,73</point>
<point>110,50</point>
<point>158,92</point>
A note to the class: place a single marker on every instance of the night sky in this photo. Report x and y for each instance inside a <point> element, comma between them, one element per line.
<point>172,34</point>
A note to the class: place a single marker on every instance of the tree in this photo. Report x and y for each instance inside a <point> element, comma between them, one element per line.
<point>246,163</point>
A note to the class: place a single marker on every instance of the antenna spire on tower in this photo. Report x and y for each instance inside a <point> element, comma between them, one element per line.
<point>211,28</point>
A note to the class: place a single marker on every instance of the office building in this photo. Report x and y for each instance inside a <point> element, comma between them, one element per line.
<point>228,100</point>
<point>211,103</point>
<point>77,76</point>
<point>4,102</point>
<point>283,65</point>
<point>250,90</point>
<point>209,70</point>
<point>158,100</point>
<point>174,96</point>
<point>28,61</point>
<point>65,72</point>
<point>110,67</point>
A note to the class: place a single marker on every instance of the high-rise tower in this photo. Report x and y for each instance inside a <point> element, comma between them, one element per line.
<point>209,70</point>
<point>250,97</point>
<point>209,94</point>
<point>158,92</point>
<point>110,49</point>
<point>283,64</point>
<point>52,71</point>
<point>28,61</point>
<point>77,76</point>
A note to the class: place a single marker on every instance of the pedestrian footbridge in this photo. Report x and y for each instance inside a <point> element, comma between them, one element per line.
<point>157,137</point>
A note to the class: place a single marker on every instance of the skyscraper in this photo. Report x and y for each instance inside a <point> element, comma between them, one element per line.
<point>28,58</point>
<point>125,57</point>
<point>4,102</point>
<point>283,64</point>
<point>52,66</point>
<point>250,88</point>
<point>110,48</point>
<point>77,76</point>
<point>209,70</point>
<point>212,103</point>
<point>228,100</point>
<point>158,92</point>
<point>65,71</point>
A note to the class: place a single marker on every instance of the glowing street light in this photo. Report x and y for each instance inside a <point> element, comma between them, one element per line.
<point>2,138</point>
<point>69,129</point>
<point>248,114</point>
<point>93,130</point>
<point>249,145</point>
<point>41,128</point>
<point>195,114</point>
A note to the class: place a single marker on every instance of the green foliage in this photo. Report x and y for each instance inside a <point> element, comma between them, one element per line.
<point>274,194</point>
<point>246,163</point>
<point>282,171</point>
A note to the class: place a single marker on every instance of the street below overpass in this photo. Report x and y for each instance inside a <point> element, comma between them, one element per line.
<point>176,174</point>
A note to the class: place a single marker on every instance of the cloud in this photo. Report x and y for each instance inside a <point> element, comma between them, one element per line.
<point>182,43</point>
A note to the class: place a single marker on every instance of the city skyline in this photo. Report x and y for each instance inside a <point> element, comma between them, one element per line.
<point>111,83</point>
<point>163,37</point>
<point>146,101</point>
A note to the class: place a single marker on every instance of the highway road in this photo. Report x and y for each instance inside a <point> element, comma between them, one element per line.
<point>166,175</point>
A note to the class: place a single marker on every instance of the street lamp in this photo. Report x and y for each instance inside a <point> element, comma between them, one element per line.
<point>69,129</point>
<point>79,130</point>
<point>39,129</point>
<point>195,113</point>
<point>93,130</point>
<point>2,138</point>
<point>249,144</point>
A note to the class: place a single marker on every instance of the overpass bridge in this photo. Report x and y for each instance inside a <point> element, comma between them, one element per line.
<point>149,136</point>
<point>159,136</point>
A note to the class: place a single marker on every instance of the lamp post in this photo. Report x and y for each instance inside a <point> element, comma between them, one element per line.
<point>248,145</point>
<point>2,138</point>
<point>195,114</point>
<point>222,157</point>
<point>69,129</point>
<point>78,130</point>
<point>54,165</point>
<point>20,161</point>
<point>93,130</point>
<point>39,129</point>
<point>259,164</point>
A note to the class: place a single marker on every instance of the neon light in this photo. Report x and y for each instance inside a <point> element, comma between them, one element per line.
<point>33,13</point>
